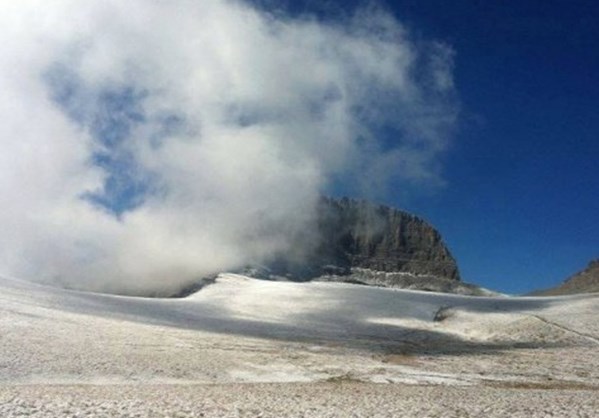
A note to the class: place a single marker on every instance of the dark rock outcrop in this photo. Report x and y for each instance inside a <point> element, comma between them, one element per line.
<point>359,234</point>
<point>403,280</point>
<point>360,242</point>
<point>585,281</point>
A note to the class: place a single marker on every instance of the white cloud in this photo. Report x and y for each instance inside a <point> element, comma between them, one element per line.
<point>210,127</point>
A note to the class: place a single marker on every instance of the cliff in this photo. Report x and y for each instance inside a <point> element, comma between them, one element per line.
<point>361,242</point>
<point>359,234</point>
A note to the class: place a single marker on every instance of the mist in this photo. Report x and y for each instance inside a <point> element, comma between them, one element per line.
<point>146,144</point>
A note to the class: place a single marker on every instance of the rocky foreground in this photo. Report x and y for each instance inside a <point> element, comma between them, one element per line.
<point>313,400</point>
<point>250,348</point>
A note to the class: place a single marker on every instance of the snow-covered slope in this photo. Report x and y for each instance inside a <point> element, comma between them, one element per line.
<point>308,349</point>
<point>242,329</point>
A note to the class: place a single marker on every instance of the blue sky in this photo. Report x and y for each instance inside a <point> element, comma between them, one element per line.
<point>520,209</point>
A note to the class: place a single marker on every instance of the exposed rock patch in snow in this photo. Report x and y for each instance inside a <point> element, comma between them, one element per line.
<point>408,281</point>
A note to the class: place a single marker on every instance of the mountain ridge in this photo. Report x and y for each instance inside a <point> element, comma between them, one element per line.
<point>584,281</point>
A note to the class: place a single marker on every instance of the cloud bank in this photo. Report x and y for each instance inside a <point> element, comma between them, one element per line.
<point>147,143</point>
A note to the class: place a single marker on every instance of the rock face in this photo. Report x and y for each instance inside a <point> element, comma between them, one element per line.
<point>359,234</point>
<point>585,281</point>
<point>357,241</point>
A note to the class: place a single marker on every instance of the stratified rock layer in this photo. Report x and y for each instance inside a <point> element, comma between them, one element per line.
<point>361,242</point>
<point>359,234</point>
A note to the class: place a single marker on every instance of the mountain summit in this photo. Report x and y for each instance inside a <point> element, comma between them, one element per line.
<point>360,234</point>
<point>362,242</point>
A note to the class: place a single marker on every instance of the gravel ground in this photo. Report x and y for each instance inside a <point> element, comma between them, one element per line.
<point>332,399</point>
<point>245,348</point>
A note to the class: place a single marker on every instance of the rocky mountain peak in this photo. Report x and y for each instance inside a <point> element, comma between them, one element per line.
<point>360,234</point>
<point>359,241</point>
